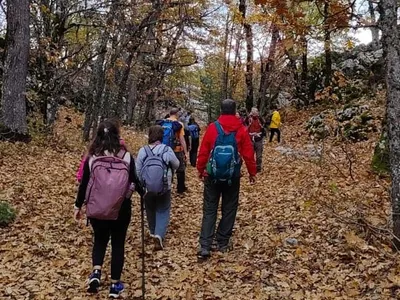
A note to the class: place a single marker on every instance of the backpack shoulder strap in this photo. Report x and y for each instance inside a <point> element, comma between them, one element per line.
<point>121,154</point>
<point>219,128</point>
<point>148,151</point>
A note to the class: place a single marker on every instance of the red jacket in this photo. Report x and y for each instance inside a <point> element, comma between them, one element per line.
<point>229,123</point>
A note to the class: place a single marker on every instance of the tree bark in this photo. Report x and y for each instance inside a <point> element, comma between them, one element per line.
<point>97,85</point>
<point>97,81</point>
<point>16,66</point>
<point>266,68</point>
<point>132,99</point>
<point>374,29</point>
<point>249,59</point>
<point>391,46</point>
<point>225,71</point>
<point>304,71</point>
<point>236,65</point>
<point>327,45</point>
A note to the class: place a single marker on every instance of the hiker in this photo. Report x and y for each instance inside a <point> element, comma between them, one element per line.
<point>275,126</point>
<point>257,133</point>
<point>108,181</point>
<point>178,144</point>
<point>225,143</point>
<point>194,130</point>
<point>184,120</point>
<point>155,164</point>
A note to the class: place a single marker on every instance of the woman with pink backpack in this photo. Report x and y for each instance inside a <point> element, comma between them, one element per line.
<point>108,180</point>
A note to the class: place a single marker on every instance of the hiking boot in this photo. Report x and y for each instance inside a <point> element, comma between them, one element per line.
<point>180,192</point>
<point>203,254</point>
<point>158,243</point>
<point>116,289</point>
<point>94,281</point>
<point>225,248</point>
<point>214,246</point>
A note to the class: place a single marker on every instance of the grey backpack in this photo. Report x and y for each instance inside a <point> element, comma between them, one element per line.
<point>154,172</point>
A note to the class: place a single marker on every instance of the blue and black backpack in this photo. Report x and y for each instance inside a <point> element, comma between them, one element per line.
<point>194,131</point>
<point>170,129</point>
<point>224,163</point>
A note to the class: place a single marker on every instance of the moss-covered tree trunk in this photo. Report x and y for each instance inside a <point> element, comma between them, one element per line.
<point>391,45</point>
<point>380,160</point>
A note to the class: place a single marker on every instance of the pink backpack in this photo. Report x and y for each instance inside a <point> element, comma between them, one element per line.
<point>79,173</point>
<point>108,186</point>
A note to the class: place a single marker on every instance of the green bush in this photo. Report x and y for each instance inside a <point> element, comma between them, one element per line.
<point>7,214</point>
<point>380,160</point>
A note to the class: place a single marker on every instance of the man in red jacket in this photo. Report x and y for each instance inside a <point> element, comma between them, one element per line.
<point>228,189</point>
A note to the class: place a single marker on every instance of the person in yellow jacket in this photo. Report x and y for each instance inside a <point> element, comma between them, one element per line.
<point>275,125</point>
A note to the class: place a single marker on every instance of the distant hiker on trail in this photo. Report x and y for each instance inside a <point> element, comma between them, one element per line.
<point>241,115</point>
<point>257,133</point>
<point>184,119</point>
<point>194,129</point>
<point>275,125</point>
<point>174,136</point>
<point>109,178</point>
<point>225,142</point>
<point>155,164</point>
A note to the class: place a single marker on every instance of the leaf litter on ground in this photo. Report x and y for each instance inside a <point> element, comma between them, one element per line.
<point>342,248</point>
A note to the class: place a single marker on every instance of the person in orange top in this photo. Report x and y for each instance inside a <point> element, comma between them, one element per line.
<point>180,151</point>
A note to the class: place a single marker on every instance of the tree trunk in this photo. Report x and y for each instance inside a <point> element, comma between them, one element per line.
<point>327,45</point>
<point>391,45</point>
<point>304,90</point>
<point>16,66</point>
<point>236,65</point>
<point>374,30</point>
<point>97,81</point>
<point>132,99</point>
<point>266,69</point>
<point>119,109</point>
<point>249,59</point>
<point>97,85</point>
<point>225,71</point>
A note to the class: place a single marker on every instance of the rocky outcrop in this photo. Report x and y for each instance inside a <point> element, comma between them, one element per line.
<point>361,60</point>
<point>317,128</point>
<point>352,122</point>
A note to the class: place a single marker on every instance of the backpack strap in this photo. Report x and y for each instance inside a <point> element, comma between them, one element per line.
<point>148,151</point>
<point>121,154</point>
<point>219,128</point>
<point>221,131</point>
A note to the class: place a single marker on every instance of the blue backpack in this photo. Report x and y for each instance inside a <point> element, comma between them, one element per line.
<point>194,131</point>
<point>170,130</point>
<point>224,163</point>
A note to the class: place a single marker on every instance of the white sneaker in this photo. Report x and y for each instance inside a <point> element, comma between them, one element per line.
<point>158,243</point>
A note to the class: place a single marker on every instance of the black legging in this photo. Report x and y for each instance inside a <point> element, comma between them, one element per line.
<point>193,152</point>
<point>103,230</point>
<point>278,132</point>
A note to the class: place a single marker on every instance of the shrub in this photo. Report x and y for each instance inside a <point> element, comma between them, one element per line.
<point>7,214</point>
<point>380,160</point>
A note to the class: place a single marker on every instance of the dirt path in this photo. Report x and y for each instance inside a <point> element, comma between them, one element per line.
<point>288,241</point>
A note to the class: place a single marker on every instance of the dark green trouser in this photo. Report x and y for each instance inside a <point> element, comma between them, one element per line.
<point>230,201</point>
<point>180,173</point>
<point>258,150</point>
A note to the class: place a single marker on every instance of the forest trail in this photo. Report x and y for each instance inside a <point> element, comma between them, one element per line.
<point>293,236</point>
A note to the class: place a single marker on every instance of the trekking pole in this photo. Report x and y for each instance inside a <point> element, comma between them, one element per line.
<point>143,250</point>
